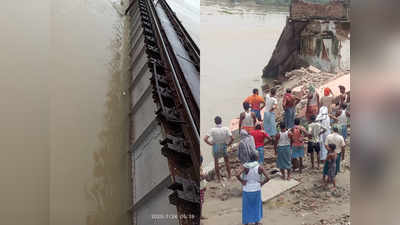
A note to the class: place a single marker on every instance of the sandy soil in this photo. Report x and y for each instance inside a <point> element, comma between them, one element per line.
<point>306,204</point>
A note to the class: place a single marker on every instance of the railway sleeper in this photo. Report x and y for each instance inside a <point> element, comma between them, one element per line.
<point>162,80</point>
<point>187,190</point>
<point>169,115</point>
<point>142,6</point>
<point>154,49</point>
<point>172,120</point>
<point>143,20</point>
<point>165,92</point>
<point>167,101</point>
<point>152,54</point>
<point>183,160</point>
<point>186,205</point>
<point>148,31</point>
<point>175,143</point>
<point>152,45</point>
<point>144,14</point>
<point>146,25</point>
<point>144,17</point>
<point>150,40</point>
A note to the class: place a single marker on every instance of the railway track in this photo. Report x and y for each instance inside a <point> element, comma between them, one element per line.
<point>173,59</point>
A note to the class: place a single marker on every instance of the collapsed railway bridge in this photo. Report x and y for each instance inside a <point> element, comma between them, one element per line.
<point>313,35</point>
<point>164,116</point>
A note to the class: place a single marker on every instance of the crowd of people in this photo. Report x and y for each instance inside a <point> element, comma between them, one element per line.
<point>323,130</point>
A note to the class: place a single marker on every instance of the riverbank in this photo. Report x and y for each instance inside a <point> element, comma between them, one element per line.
<point>306,204</point>
<point>231,67</point>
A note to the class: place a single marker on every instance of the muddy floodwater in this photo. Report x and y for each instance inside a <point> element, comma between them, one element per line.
<point>63,114</point>
<point>238,38</point>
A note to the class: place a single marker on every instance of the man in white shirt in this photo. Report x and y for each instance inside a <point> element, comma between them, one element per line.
<point>221,138</point>
<point>271,103</point>
<point>336,139</point>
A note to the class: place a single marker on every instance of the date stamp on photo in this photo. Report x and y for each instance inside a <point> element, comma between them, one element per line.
<point>171,216</point>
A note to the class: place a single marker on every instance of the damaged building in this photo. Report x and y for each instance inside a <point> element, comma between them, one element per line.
<point>321,46</point>
<point>315,34</point>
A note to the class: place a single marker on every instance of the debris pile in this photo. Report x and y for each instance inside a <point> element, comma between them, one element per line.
<point>306,199</point>
<point>309,199</point>
<point>342,220</point>
<point>304,10</point>
<point>299,80</point>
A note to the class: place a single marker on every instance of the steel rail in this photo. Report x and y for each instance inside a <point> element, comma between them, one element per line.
<point>174,73</point>
<point>172,15</point>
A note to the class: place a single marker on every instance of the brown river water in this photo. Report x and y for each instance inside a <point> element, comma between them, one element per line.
<point>238,38</point>
<point>64,133</point>
<point>63,114</point>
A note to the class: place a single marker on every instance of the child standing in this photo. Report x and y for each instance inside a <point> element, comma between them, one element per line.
<point>297,134</point>
<point>283,150</point>
<point>331,161</point>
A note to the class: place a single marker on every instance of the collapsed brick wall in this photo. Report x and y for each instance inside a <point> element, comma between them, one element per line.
<point>301,9</point>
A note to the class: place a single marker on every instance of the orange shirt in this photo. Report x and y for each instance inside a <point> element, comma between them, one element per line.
<point>255,101</point>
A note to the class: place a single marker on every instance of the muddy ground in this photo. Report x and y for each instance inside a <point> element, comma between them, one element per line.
<point>306,204</point>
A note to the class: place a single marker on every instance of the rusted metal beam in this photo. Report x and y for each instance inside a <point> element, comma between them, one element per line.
<point>177,111</point>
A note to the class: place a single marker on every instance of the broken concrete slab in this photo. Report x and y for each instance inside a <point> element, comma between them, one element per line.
<point>313,69</point>
<point>275,187</point>
<point>299,91</point>
<point>333,84</point>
